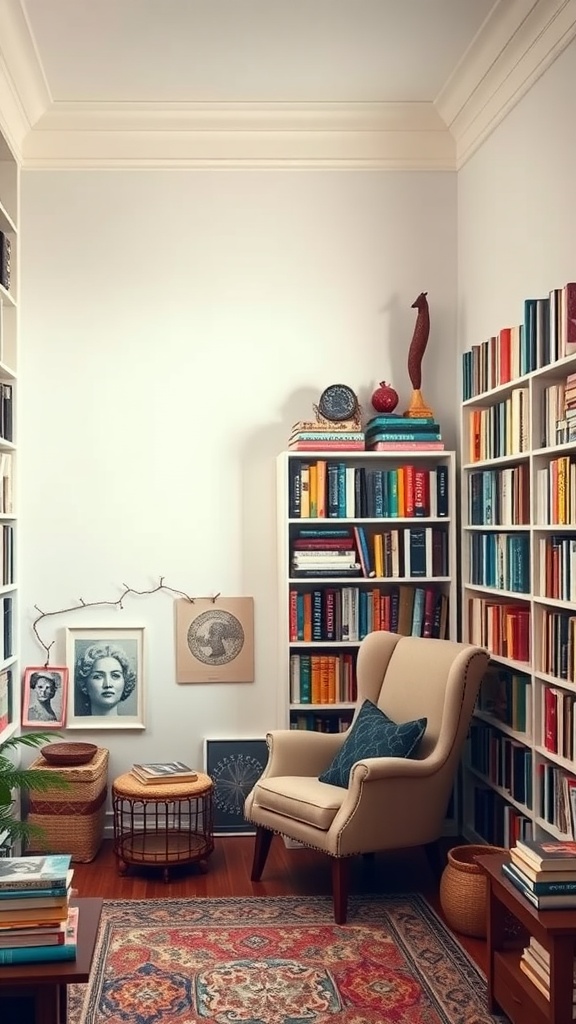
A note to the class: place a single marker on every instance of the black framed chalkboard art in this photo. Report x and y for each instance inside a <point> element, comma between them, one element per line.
<point>234,765</point>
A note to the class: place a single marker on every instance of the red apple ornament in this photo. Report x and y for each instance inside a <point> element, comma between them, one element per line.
<point>385,398</point>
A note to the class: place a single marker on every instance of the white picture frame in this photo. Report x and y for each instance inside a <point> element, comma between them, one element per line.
<point>107,678</point>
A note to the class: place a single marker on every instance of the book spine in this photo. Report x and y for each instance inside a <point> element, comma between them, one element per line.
<point>37,954</point>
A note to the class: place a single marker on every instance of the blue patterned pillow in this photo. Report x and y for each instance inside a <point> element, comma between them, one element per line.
<point>373,734</point>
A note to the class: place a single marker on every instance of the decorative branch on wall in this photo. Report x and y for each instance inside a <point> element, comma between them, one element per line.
<point>118,603</point>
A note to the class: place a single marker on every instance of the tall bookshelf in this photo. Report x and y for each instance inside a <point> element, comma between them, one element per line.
<point>323,618</point>
<point>9,669</point>
<point>518,492</point>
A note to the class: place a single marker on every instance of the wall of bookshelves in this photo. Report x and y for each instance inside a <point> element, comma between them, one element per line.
<point>366,540</point>
<point>9,209</point>
<point>519,594</point>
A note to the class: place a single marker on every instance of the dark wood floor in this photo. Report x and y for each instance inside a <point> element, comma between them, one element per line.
<point>288,872</point>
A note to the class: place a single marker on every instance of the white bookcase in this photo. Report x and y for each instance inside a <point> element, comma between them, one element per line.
<point>9,639</point>
<point>329,651</point>
<point>518,492</point>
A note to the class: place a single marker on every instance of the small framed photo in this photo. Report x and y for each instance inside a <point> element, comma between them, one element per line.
<point>44,696</point>
<point>106,678</point>
<point>234,767</point>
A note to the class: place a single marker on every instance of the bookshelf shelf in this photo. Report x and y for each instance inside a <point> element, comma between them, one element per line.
<point>337,611</point>
<point>528,633</point>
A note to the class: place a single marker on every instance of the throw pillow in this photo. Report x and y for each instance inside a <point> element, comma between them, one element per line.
<point>373,734</point>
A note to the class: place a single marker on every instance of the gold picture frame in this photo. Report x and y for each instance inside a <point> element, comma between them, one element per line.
<point>215,640</point>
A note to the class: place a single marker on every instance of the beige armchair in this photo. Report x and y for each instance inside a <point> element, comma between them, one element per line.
<point>390,802</point>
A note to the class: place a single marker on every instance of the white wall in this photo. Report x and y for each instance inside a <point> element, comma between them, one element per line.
<point>516,208</point>
<point>174,325</point>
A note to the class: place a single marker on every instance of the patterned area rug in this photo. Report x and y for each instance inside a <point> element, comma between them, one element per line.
<point>278,960</point>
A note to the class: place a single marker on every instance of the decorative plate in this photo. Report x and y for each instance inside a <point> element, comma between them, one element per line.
<point>338,402</point>
<point>65,754</point>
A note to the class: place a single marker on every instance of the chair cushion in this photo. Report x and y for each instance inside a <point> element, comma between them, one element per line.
<point>373,734</point>
<point>300,799</point>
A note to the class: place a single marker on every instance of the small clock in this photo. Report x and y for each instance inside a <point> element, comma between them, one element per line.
<point>338,402</point>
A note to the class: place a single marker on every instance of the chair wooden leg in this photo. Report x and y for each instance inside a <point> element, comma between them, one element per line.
<point>261,849</point>
<point>434,858</point>
<point>340,881</point>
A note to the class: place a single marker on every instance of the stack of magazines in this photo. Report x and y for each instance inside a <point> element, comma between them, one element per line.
<point>37,924</point>
<point>544,871</point>
<point>163,771</point>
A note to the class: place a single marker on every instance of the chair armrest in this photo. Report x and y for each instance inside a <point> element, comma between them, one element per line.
<point>299,752</point>
<point>370,769</point>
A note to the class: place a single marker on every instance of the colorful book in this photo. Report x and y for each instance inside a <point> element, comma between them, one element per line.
<point>47,953</point>
<point>37,894</point>
<point>47,872</point>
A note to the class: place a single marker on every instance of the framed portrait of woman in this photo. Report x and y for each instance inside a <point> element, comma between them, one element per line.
<point>106,668</point>
<point>44,696</point>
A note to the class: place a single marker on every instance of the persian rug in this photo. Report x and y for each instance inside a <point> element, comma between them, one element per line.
<point>278,960</point>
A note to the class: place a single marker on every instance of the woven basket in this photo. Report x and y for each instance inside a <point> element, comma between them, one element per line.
<point>72,819</point>
<point>464,888</point>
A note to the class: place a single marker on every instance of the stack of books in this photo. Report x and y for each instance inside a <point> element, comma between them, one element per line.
<point>544,871</point>
<point>311,436</point>
<point>403,434</point>
<point>535,963</point>
<point>37,924</point>
<point>167,771</point>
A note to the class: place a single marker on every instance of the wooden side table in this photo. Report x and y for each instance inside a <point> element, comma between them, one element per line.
<point>162,825</point>
<point>43,987</point>
<point>509,989</point>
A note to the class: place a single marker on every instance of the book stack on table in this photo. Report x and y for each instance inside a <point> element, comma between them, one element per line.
<point>37,923</point>
<point>403,434</point>
<point>544,871</point>
<point>157,773</point>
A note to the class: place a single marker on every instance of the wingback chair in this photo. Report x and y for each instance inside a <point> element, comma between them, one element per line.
<point>386,802</point>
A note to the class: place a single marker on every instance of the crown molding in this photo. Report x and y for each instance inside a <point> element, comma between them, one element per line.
<point>400,136</point>
<point>518,41</point>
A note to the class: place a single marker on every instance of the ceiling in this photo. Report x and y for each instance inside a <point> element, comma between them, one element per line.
<point>340,83</point>
<point>251,50</point>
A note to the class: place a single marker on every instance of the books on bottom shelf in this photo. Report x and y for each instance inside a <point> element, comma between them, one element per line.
<point>42,944</point>
<point>154,774</point>
<point>535,964</point>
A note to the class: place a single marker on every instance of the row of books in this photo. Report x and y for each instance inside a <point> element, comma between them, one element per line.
<point>348,614</point>
<point>322,489</point>
<point>6,489</point>
<point>320,723</point>
<point>503,627</point>
<point>500,429</point>
<point>558,644</point>
<point>499,497</point>
<point>158,772</point>
<point>547,333</point>
<point>555,497</point>
<point>557,567</point>
<point>501,760</point>
<point>37,923</point>
<point>559,722</point>
<point>497,821</point>
<point>5,260</point>
<point>6,554</point>
<point>396,553</point>
<point>500,560</point>
<point>322,678</point>
<point>559,412</point>
<point>506,695</point>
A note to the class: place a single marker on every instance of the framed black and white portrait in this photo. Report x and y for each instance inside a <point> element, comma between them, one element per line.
<point>106,669</point>
<point>44,692</point>
<point>234,767</point>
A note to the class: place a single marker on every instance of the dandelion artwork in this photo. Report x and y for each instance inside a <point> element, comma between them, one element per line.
<point>215,640</point>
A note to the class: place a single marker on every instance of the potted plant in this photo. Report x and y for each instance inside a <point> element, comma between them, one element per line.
<point>13,778</point>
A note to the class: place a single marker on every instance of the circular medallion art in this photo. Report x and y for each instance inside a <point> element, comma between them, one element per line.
<point>234,776</point>
<point>338,402</point>
<point>216,637</point>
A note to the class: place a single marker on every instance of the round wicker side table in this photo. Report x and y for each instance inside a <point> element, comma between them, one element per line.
<point>162,825</point>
